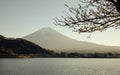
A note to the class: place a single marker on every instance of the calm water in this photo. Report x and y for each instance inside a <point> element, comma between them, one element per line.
<point>59,66</point>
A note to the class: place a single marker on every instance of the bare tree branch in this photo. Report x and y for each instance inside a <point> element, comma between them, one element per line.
<point>97,15</point>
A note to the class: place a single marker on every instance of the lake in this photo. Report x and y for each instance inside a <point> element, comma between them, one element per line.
<point>59,66</point>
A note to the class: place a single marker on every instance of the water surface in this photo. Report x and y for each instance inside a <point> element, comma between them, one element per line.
<point>59,66</point>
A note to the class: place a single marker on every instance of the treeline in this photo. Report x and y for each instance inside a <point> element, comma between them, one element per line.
<point>87,55</point>
<point>9,53</point>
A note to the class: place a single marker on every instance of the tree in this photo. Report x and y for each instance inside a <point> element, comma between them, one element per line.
<point>92,15</point>
<point>2,37</point>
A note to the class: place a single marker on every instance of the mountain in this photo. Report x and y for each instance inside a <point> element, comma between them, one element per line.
<point>50,39</point>
<point>10,47</point>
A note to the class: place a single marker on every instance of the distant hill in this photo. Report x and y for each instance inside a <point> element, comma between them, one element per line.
<point>50,39</point>
<point>10,47</point>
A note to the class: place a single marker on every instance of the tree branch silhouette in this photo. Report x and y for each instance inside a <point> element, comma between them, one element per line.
<point>95,15</point>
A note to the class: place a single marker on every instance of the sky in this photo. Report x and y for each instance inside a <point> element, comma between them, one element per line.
<point>19,18</point>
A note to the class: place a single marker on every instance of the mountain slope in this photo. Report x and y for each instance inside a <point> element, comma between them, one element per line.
<point>51,39</point>
<point>10,47</point>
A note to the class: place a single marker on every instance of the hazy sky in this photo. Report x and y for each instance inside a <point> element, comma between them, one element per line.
<point>22,17</point>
